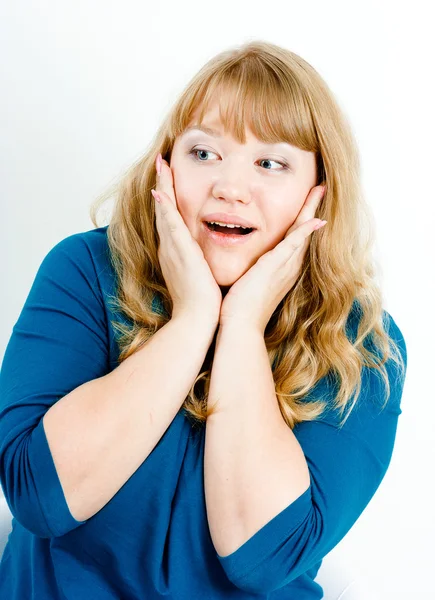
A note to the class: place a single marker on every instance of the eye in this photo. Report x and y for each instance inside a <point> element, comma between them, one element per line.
<point>194,152</point>
<point>269,160</point>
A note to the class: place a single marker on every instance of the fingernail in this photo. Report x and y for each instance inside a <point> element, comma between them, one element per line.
<point>159,164</point>
<point>319,225</point>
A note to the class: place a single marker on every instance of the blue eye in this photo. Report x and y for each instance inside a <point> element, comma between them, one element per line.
<point>194,152</point>
<point>284,166</point>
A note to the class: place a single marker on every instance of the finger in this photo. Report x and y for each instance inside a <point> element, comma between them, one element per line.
<point>310,206</point>
<point>157,203</point>
<point>170,223</point>
<point>165,182</point>
<point>165,193</point>
<point>296,239</point>
<point>166,216</point>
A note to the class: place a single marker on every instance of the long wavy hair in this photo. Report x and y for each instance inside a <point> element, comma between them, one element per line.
<point>280,97</point>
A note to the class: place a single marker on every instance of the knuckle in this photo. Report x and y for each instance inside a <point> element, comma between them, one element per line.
<point>296,244</point>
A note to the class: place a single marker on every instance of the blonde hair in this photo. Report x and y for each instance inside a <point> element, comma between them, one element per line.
<point>281,98</point>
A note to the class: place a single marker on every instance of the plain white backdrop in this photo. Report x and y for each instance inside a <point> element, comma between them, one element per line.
<point>84,87</point>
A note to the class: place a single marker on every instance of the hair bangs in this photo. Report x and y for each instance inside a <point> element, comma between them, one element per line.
<point>256,96</point>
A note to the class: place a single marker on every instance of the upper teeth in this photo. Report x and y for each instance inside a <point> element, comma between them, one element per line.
<point>227,224</point>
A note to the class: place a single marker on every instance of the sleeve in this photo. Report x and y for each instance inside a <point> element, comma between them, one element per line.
<point>59,342</point>
<point>346,468</point>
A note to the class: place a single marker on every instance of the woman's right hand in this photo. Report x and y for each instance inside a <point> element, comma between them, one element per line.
<point>193,289</point>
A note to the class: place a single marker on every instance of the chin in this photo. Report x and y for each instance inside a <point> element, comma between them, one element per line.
<point>226,281</point>
<point>226,276</point>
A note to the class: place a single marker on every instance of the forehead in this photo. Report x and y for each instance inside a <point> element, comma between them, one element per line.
<point>212,123</point>
<point>215,132</point>
<point>213,126</point>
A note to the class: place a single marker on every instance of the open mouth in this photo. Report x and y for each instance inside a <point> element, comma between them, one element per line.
<point>228,230</point>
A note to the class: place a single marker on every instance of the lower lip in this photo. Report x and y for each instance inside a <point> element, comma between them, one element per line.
<point>226,239</point>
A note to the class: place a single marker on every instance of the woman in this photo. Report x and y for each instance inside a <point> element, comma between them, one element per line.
<point>191,410</point>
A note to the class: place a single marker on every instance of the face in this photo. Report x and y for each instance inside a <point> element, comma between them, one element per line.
<point>266,184</point>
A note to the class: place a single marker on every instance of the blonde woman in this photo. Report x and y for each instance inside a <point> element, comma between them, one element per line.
<point>200,398</point>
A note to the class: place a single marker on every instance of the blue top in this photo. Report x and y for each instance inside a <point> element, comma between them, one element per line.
<point>152,540</point>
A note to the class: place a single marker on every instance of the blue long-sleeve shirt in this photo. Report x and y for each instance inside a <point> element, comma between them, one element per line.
<point>152,540</point>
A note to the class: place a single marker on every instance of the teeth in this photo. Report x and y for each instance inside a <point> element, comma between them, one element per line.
<point>227,225</point>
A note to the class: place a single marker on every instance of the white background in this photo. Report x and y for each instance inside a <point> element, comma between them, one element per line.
<point>85,85</point>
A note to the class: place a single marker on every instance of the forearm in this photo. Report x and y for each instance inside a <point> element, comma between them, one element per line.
<point>254,466</point>
<point>100,433</point>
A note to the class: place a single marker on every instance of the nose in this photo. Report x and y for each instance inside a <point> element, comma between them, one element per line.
<point>232,183</point>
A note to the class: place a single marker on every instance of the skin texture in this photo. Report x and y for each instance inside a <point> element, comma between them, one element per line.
<point>244,179</point>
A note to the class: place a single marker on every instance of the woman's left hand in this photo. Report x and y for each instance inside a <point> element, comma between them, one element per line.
<point>252,299</point>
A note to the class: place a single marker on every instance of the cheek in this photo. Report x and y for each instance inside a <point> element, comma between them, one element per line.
<point>283,216</point>
<point>186,189</point>
<point>189,212</point>
<point>281,219</point>
<point>183,196</point>
<point>293,206</point>
<point>189,203</point>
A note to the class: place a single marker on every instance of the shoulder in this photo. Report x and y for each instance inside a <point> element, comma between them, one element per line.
<point>91,244</point>
<point>86,254</point>
<point>390,325</point>
<point>396,333</point>
<point>77,265</point>
<point>372,391</point>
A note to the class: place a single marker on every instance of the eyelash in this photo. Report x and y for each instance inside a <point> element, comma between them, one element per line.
<point>193,152</point>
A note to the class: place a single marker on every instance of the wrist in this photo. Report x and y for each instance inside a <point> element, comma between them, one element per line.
<point>196,322</point>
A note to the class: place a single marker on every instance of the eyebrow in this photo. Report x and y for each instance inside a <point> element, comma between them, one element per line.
<point>217,134</point>
<point>204,129</point>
